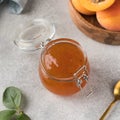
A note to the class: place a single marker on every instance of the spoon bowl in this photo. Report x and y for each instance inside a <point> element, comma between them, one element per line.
<point>116,98</point>
<point>117,91</point>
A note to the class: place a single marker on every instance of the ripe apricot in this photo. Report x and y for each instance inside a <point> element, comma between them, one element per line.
<point>96,5</point>
<point>110,18</point>
<point>79,7</point>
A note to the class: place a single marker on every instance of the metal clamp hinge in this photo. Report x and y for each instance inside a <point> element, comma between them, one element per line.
<point>80,76</point>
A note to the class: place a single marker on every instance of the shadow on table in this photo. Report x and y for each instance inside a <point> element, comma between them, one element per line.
<point>29,6</point>
<point>3,6</point>
<point>24,103</point>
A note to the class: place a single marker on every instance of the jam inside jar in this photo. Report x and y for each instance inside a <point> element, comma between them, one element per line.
<point>63,67</point>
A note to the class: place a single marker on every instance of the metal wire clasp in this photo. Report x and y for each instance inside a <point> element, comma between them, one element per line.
<point>80,76</point>
<point>43,43</point>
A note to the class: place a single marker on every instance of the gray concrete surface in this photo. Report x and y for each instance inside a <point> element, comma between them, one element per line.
<point>21,70</point>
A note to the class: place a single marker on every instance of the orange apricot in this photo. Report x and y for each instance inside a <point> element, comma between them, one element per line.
<point>96,5</point>
<point>110,18</point>
<point>79,7</point>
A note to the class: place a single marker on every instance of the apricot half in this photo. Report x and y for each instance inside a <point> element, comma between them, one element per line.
<point>110,18</point>
<point>96,5</point>
<point>79,7</point>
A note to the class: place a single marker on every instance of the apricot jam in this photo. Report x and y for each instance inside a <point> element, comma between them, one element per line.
<point>63,67</point>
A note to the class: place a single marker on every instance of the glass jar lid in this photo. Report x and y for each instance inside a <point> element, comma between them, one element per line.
<point>35,35</point>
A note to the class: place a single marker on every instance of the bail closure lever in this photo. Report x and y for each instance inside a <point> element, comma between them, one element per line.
<point>80,76</point>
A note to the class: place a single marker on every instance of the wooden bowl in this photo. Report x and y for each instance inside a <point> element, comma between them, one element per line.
<point>90,27</point>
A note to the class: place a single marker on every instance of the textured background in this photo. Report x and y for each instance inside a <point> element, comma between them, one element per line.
<point>21,70</point>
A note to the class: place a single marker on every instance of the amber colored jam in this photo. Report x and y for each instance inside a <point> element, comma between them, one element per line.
<point>60,59</point>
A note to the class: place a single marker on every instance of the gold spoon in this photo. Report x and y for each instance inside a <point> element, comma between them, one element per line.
<point>116,97</point>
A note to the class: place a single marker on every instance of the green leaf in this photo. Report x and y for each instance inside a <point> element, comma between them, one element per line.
<point>12,98</point>
<point>23,116</point>
<point>7,114</point>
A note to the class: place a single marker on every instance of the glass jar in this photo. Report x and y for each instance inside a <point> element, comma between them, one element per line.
<point>63,67</point>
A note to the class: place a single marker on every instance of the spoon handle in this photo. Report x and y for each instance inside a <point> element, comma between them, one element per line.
<point>107,110</point>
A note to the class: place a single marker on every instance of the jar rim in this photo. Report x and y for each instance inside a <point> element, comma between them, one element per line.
<point>56,41</point>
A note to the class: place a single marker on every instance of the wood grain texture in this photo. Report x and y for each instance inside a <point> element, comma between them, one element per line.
<point>90,27</point>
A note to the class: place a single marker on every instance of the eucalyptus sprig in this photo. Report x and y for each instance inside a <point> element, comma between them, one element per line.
<point>12,98</point>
